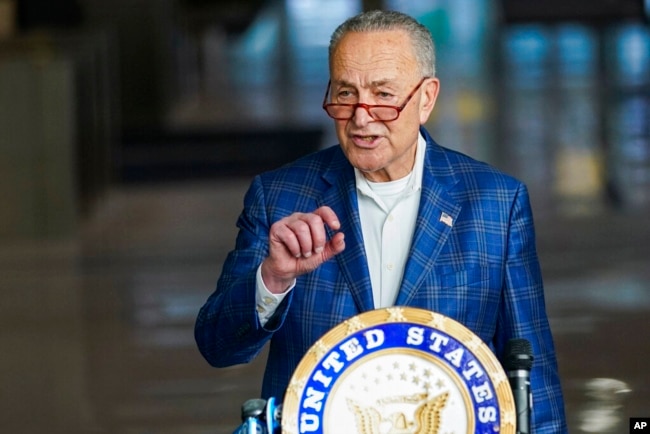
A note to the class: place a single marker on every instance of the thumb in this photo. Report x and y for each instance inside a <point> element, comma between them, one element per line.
<point>332,248</point>
<point>335,246</point>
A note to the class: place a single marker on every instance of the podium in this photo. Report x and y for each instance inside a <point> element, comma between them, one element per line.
<point>398,370</point>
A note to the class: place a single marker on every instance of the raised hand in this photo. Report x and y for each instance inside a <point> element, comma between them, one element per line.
<point>298,244</point>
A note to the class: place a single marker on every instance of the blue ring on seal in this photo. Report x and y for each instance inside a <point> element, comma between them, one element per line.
<point>414,336</point>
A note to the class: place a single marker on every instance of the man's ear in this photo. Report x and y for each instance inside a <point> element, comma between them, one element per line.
<point>430,89</point>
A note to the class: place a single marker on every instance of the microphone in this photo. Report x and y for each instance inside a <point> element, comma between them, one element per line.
<point>259,416</point>
<point>251,412</point>
<point>273,416</point>
<point>252,408</point>
<point>517,362</point>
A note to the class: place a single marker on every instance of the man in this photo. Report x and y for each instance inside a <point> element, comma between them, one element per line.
<point>387,218</point>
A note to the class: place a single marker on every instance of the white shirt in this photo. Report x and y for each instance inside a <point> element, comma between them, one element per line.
<point>388,211</point>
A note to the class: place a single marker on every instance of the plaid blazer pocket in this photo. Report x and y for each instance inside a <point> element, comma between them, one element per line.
<point>471,296</point>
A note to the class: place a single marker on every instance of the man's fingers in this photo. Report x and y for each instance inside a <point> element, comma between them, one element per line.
<point>334,247</point>
<point>329,217</point>
<point>309,232</point>
<point>304,234</point>
<point>283,235</point>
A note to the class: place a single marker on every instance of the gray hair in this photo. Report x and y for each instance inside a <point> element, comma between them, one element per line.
<point>375,21</point>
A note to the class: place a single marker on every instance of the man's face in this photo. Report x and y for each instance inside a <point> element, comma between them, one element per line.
<point>380,68</point>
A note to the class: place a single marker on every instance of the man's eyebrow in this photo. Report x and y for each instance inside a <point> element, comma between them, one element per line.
<point>379,83</point>
<point>373,84</point>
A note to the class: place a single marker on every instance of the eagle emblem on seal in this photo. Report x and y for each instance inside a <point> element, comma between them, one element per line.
<point>425,418</point>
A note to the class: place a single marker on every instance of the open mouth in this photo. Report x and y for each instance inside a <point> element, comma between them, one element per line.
<point>365,139</point>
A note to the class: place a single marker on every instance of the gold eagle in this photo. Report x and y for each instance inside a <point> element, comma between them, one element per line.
<point>426,417</point>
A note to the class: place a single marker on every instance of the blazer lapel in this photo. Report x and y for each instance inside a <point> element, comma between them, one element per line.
<point>342,198</point>
<point>437,214</point>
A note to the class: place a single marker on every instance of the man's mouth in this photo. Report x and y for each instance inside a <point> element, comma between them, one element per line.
<point>365,141</point>
<point>367,138</point>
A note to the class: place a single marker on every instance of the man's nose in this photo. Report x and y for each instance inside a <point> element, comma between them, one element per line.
<point>362,114</point>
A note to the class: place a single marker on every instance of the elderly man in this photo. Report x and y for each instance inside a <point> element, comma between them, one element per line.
<point>386,218</point>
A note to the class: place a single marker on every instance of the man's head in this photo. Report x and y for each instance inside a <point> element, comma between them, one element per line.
<point>377,21</point>
<point>382,58</point>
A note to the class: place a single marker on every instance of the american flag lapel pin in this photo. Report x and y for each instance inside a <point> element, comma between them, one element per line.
<point>446,219</point>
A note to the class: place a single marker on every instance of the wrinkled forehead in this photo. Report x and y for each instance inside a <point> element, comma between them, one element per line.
<point>377,55</point>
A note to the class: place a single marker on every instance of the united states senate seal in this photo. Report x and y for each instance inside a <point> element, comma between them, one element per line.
<point>399,370</point>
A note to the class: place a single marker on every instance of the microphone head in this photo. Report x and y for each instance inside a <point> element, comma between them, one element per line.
<point>252,408</point>
<point>518,355</point>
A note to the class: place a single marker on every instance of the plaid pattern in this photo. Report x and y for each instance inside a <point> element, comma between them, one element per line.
<point>482,271</point>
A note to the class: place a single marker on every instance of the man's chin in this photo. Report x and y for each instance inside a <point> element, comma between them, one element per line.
<point>374,173</point>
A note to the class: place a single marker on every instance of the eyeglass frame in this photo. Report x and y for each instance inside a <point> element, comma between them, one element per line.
<point>367,107</point>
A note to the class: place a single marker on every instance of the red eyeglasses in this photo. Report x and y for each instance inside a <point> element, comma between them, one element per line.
<point>384,113</point>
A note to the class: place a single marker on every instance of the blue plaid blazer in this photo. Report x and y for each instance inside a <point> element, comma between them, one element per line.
<point>483,271</point>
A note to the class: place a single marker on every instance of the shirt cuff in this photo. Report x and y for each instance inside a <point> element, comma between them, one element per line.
<point>266,302</point>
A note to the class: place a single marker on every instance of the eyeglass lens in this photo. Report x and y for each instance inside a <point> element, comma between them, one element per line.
<point>377,113</point>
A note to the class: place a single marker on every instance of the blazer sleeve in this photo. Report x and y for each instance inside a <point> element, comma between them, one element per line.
<point>524,316</point>
<point>227,329</point>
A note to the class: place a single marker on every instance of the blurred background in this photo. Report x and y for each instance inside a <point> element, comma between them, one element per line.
<point>130,129</point>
